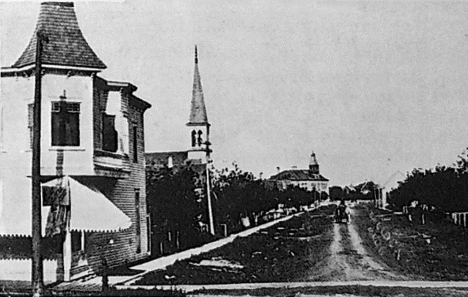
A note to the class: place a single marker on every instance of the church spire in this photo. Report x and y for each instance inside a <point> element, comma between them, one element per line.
<point>66,46</point>
<point>198,114</point>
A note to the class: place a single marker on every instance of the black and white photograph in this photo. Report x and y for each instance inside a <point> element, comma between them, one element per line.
<point>234,148</point>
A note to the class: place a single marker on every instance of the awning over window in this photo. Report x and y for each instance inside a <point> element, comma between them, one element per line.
<point>90,209</point>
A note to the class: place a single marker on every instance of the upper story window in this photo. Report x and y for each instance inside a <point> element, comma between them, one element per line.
<point>65,123</point>
<point>109,133</point>
<point>135,144</point>
<point>114,126</point>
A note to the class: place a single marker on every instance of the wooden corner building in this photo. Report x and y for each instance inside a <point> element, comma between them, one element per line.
<point>92,158</point>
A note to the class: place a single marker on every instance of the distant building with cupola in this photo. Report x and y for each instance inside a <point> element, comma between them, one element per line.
<point>309,179</point>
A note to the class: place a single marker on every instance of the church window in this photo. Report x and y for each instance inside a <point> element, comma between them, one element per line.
<point>65,123</point>
<point>194,138</point>
<point>200,139</point>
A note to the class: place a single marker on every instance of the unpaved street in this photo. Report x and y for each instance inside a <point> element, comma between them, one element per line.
<point>347,268</point>
<point>348,260</point>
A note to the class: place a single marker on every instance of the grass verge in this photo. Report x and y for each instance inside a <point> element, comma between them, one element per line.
<point>283,252</point>
<point>434,251</point>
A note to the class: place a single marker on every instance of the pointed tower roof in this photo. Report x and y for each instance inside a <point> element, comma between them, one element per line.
<point>198,114</point>
<point>313,159</point>
<point>66,46</point>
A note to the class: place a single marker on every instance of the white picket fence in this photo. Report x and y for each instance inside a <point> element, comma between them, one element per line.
<point>460,218</point>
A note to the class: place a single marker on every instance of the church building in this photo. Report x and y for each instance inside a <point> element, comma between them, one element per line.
<point>92,157</point>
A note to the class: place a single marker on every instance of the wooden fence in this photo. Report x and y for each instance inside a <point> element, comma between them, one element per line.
<point>460,218</point>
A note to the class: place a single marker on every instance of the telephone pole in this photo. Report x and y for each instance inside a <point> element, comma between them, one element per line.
<point>208,186</point>
<point>37,265</point>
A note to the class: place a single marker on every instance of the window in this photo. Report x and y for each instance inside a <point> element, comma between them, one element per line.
<point>137,218</point>
<point>125,139</point>
<point>135,144</point>
<point>65,123</point>
<point>109,134</point>
<point>78,241</point>
<point>114,125</point>
<point>200,139</point>
<point>194,138</point>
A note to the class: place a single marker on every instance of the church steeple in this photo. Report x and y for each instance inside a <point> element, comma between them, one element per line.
<point>66,45</point>
<point>313,164</point>
<point>198,115</point>
<point>198,120</point>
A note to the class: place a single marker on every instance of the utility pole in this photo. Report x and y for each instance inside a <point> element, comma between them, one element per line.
<point>208,187</point>
<point>37,265</point>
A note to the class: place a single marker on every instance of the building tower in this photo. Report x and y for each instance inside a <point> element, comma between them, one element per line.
<point>198,124</point>
<point>313,164</point>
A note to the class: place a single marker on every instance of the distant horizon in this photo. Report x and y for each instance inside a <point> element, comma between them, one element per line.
<point>371,87</point>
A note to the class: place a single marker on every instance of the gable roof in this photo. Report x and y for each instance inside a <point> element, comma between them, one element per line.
<point>66,46</point>
<point>198,115</point>
<point>298,175</point>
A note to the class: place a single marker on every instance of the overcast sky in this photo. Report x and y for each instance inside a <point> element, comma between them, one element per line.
<point>372,87</point>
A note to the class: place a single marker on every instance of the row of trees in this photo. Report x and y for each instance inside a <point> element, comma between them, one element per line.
<point>444,187</point>
<point>178,207</point>
<point>238,195</point>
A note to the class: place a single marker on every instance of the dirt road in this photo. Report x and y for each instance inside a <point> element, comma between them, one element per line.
<point>347,270</point>
<point>349,260</point>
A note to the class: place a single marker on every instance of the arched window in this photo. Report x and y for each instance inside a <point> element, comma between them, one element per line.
<point>194,138</point>
<point>200,139</point>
